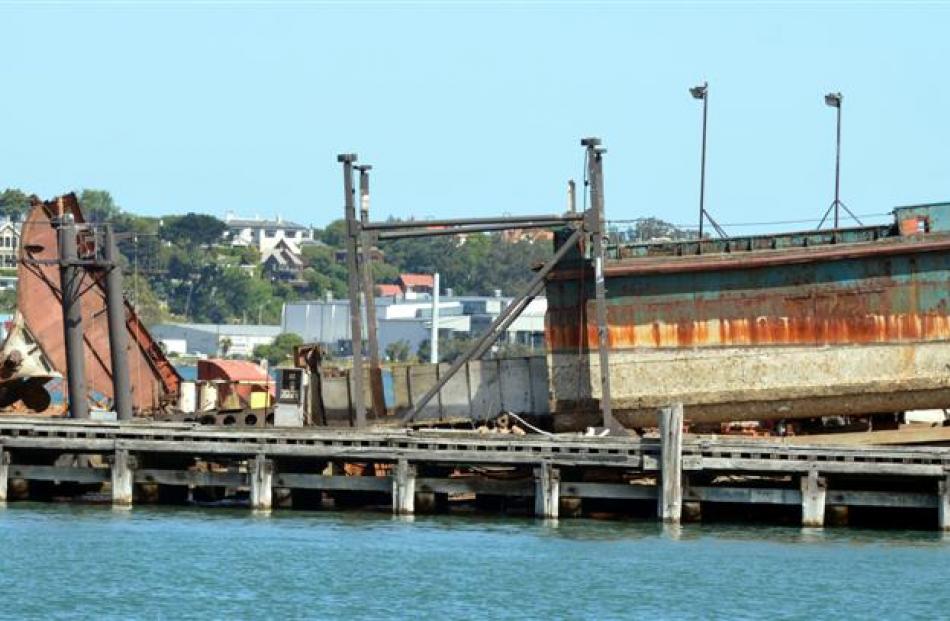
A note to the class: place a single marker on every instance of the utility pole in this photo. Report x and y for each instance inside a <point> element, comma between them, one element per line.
<point>594,222</point>
<point>118,335</point>
<point>369,294</point>
<point>71,286</point>
<point>702,92</point>
<point>833,100</point>
<point>353,285</point>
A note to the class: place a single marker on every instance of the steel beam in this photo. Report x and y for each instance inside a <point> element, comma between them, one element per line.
<point>118,335</point>
<point>495,329</point>
<point>462,230</point>
<point>510,221</point>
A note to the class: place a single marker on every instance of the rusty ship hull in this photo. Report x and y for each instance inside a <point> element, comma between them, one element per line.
<point>849,322</point>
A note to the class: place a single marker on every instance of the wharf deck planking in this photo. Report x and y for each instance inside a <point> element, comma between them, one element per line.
<point>263,452</point>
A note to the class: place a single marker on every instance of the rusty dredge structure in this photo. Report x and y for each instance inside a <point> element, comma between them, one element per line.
<point>669,338</point>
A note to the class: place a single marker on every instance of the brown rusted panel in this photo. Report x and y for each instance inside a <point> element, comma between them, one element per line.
<point>868,299</point>
<point>154,380</point>
<point>747,333</point>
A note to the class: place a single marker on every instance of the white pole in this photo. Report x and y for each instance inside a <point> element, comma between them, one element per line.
<point>434,337</point>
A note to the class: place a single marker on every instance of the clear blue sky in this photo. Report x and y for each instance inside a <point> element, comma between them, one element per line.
<point>475,110</point>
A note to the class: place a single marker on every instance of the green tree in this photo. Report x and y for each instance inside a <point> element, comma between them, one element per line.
<point>192,229</point>
<point>7,301</point>
<point>398,351</point>
<point>280,350</point>
<point>14,204</point>
<point>334,234</point>
<point>98,206</point>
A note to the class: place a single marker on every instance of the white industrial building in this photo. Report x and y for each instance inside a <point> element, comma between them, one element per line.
<point>214,339</point>
<point>328,321</point>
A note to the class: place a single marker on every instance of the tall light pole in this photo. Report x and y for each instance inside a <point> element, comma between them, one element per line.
<point>833,100</point>
<point>702,92</point>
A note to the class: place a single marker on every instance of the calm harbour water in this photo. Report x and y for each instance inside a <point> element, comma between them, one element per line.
<point>69,561</point>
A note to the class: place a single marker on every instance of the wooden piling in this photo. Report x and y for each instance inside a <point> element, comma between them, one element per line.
<point>547,491</point>
<point>404,488</point>
<point>4,474</point>
<point>814,489</point>
<point>670,498</point>
<point>943,504</point>
<point>122,478</point>
<point>261,479</point>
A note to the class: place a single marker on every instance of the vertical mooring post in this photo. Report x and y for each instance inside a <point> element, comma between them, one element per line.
<point>353,285</point>
<point>118,339</point>
<point>943,503</point>
<point>814,489</point>
<point>404,488</point>
<point>670,498</point>
<point>4,474</point>
<point>594,222</point>
<point>261,471</point>
<point>122,467</point>
<point>547,491</point>
<point>369,293</point>
<point>70,276</point>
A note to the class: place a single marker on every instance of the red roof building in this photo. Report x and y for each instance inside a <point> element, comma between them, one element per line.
<point>415,283</point>
<point>389,291</point>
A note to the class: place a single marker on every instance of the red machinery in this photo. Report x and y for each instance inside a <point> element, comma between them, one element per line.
<point>34,350</point>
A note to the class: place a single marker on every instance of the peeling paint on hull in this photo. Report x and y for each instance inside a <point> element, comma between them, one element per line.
<point>856,329</point>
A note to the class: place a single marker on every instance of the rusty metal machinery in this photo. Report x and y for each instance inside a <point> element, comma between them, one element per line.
<point>34,351</point>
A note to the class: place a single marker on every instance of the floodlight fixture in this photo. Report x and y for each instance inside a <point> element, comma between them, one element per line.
<point>833,100</point>
<point>702,92</point>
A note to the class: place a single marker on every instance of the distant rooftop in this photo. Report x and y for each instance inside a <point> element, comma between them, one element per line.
<point>417,280</point>
<point>260,223</point>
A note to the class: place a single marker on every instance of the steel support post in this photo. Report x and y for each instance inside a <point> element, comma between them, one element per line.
<point>369,294</point>
<point>838,166</point>
<point>118,336</point>
<point>702,167</point>
<point>353,285</point>
<point>595,225</point>
<point>70,285</point>
<point>501,323</point>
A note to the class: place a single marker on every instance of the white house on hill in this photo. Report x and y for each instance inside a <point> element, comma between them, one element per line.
<point>264,234</point>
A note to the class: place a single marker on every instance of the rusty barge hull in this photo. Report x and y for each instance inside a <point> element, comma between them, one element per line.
<point>853,322</point>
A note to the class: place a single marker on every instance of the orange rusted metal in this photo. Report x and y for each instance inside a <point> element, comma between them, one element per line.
<point>155,382</point>
<point>846,322</point>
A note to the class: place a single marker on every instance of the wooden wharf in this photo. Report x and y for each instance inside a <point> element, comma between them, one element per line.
<point>678,472</point>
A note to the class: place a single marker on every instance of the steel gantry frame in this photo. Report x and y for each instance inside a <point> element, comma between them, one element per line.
<point>362,233</point>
